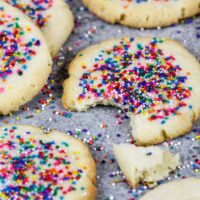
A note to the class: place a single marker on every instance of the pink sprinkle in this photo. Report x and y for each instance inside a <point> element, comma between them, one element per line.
<point>1,90</point>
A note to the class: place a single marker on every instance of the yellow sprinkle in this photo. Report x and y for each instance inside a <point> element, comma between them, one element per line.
<point>34,177</point>
<point>3,196</point>
<point>17,118</point>
<point>75,152</point>
<point>28,28</point>
<point>38,111</point>
<point>197,137</point>
<point>144,112</point>
<point>18,181</point>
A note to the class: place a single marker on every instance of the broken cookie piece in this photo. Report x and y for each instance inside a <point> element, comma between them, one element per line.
<point>144,164</point>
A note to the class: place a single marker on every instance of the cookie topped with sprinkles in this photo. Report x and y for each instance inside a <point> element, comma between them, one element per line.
<point>36,165</point>
<point>46,14</point>
<point>25,61</point>
<point>143,13</point>
<point>34,9</point>
<point>154,80</point>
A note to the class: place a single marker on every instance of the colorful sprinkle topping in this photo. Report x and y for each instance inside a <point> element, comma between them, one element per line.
<point>15,50</point>
<point>31,168</point>
<point>35,9</point>
<point>138,78</point>
<point>128,2</point>
<point>143,1</point>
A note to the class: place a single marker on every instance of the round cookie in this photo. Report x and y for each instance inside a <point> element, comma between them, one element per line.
<point>36,165</point>
<point>25,59</point>
<point>53,17</point>
<point>143,13</point>
<point>185,189</point>
<point>156,81</point>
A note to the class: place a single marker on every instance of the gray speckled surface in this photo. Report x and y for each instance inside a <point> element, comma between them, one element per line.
<point>99,125</point>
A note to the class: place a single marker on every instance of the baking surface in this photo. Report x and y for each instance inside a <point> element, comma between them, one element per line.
<point>100,127</point>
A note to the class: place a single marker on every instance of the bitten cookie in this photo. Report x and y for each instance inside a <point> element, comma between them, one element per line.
<point>53,17</point>
<point>185,189</point>
<point>143,13</point>
<point>144,164</point>
<point>35,165</point>
<point>156,81</point>
<point>24,57</point>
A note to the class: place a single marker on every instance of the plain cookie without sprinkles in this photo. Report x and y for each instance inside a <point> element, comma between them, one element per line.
<point>35,165</point>
<point>25,59</point>
<point>47,14</point>
<point>143,13</point>
<point>185,189</point>
<point>146,165</point>
<point>154,80</point>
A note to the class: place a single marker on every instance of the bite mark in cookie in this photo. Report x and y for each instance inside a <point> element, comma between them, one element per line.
<point>145,77</point>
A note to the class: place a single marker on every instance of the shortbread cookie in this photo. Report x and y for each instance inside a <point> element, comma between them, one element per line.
<point>185,189</point>
<point>144,164</point>
<point>35,165</point>
<point>25,61</point>
<point>53,17</point>
<point>156,81</point>
<point>143,13</point>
